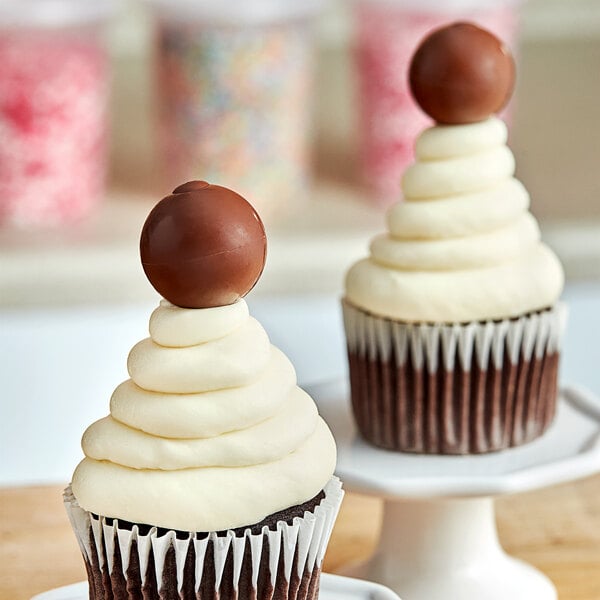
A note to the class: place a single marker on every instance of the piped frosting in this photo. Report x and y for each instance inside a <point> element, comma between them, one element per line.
<point>210,433</point>
<point>463,246</point>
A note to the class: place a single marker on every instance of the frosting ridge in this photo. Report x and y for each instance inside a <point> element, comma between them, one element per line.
<point>463,245</point>
<point>210,433</point>
<point>230,361</point>
<point>206,414</point>
<point>218,498</point>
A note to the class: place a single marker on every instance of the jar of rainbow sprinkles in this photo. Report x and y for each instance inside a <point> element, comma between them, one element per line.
<point>54,82</point>
<point>234,86</point>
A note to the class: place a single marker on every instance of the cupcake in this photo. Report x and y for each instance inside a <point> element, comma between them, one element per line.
<point>453,324</point>
<point>212,477</point>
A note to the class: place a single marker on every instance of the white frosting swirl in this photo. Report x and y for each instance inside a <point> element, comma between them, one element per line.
<point>210,433</point>
<point>267,441</point>
<point>231,361</point>
<point>459,175</point>
<point>170,326</point>
<point>463,246</point>
<point>449,141</point>
<point>209,413</point>
<point>479,250</point>
<point>458,216</point>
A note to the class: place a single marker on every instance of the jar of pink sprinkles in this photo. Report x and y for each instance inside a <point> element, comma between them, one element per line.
<point>54,83</point>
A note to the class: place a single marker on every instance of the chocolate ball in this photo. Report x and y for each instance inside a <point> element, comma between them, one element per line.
<point>203,246</point>
<point>462,74</point>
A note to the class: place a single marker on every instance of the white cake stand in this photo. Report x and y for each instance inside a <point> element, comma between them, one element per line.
<point>439,539</point>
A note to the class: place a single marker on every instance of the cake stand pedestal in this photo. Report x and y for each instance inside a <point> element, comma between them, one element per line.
<point>439,539</point>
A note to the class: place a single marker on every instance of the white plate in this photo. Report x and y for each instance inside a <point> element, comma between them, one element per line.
<point>333,587</point>
<point>569,450</point>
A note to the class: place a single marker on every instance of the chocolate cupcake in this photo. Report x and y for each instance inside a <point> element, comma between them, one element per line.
<point>213,474</point>
<point>453,323</point>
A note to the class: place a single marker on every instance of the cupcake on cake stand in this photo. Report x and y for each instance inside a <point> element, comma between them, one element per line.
<point>454,329</point>
<point>439,539</point>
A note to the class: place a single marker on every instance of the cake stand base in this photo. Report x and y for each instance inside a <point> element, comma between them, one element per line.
<point>448,549</point>
<point>439,539</point>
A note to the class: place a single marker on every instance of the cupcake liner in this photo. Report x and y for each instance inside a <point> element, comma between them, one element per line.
<point>152,563</point>
<point>453,388</point>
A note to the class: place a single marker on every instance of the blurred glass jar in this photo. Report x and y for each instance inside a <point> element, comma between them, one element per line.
<point>387,34</point>
<point>235,88</point>
<point>54,82</point>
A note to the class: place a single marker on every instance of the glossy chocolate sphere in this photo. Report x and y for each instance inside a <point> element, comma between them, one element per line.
<point>461,74</point>
<point>203,246</point>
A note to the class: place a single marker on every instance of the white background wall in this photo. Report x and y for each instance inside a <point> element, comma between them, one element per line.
<point>60,367</point>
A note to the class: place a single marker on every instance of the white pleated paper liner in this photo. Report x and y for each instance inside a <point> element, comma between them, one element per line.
<point>453,388</point>
<point>142,562</point>
<point>490,341</point>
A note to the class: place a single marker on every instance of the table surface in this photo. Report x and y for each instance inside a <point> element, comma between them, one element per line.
<point>557,530</point>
